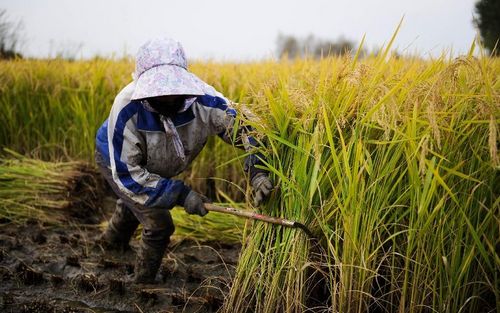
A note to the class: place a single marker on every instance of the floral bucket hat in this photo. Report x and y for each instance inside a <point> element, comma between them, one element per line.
<point>161,70</point>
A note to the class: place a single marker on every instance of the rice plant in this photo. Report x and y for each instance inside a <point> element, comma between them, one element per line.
<point>393,164</point>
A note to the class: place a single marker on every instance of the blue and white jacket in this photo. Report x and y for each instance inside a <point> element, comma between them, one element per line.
<point>142,157</point>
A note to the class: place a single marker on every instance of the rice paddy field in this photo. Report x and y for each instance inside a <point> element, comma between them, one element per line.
<point>391,162</point>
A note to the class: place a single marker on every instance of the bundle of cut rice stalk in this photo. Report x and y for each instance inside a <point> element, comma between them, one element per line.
<point>52,192</point>
<point>212,227</point>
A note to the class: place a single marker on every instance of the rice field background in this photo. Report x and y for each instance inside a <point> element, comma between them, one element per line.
<point>392,162</point>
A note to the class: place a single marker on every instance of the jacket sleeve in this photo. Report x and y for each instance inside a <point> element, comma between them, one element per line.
<point>225,122</point>
<point>127,154</point>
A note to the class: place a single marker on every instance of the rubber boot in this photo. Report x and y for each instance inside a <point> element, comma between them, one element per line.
<point>121,228</point>
<point>148,261</point>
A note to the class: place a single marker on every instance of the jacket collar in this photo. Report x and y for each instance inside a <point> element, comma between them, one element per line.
<point>149,120</point>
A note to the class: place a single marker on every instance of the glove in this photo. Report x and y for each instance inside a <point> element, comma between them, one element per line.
<point>262,186</point>
<point>194,203</point>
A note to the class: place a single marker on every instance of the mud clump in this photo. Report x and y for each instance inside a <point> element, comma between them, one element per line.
<point>194,275</point>
<point>8,242</point>
<point>146,297</point>
<point>214,303</point>
<point>87,282</point>
<point>28,276</point>
<point>56,280</point>
<point>39,238</point>
<point>179,299</point>
<point>117,287</point>
<point>72,261</point>
<point>63,239</point>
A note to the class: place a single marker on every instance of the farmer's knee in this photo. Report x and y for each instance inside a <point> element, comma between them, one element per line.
<point>157,223</point>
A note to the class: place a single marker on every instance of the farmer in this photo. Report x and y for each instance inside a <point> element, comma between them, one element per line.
<point>157,126</point>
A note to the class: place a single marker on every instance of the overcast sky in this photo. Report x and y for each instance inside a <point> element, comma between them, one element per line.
<point>237,30</point>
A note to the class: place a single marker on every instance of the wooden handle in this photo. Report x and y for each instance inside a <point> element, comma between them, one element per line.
<point>250,215</point>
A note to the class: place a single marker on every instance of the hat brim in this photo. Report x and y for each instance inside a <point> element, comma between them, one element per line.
<point>166,80</point>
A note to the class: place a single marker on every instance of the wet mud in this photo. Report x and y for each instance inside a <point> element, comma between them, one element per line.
<point>62,269</point>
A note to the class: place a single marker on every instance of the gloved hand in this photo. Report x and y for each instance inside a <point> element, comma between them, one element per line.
<point>262,186</point>
<point>194,203</point>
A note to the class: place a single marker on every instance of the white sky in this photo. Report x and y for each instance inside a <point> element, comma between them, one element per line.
<point>237,30</point>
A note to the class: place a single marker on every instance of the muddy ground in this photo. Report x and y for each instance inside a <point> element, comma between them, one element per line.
<point>61,269</point>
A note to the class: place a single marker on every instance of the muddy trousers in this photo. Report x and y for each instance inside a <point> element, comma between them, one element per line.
<point>157,227</point>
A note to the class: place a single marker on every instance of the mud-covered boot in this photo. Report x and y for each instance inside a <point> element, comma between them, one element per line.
<point>121,227</point>
<point>152,248</point>
<point>147,264</point>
